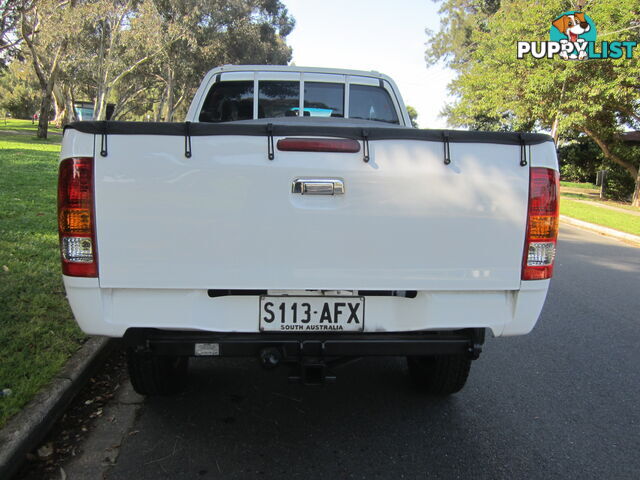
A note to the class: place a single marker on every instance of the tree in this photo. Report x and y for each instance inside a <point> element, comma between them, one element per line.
<point>19,90</point>
<point>460,19</point>
<point>10,13</point>
<point>164,47</point>
<point>143,56</point>
<point>596,98</point>
<point>413,116</point>
<point>120,37</point>
<point>47,46</point>
<point>199,34</point>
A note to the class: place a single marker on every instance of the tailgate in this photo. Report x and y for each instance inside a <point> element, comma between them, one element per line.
<point>227,218</point>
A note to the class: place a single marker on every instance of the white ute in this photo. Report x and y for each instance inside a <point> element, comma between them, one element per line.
<point>296,216</point>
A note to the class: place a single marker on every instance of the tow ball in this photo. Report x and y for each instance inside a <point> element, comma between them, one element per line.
<point>311,371</point>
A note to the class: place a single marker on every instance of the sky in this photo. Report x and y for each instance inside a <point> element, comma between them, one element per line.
<point>380,35</point>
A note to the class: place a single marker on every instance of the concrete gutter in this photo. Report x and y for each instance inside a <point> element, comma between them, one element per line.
<point>606,231</point>
<point>25,431</point>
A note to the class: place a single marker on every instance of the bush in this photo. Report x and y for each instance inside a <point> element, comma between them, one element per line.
<point>579,161</point>
<point>619,184</point>
<point>19,90</point>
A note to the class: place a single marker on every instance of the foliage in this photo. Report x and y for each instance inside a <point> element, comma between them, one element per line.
<point>37,331</point>
<point>597,98</point>
<point>144,56</point>
<point>19,90</point>
<point>454,42</point>
<point>413,116</point>
<point>10,11</point>
<point>579,160</point>
<point>580,185</point>
<point>618,184</point>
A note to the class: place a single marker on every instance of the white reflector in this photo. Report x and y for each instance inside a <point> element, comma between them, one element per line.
<point>541,254</point>
<point>77,249</point>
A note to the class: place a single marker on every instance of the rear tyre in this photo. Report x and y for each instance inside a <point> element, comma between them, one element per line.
<point>157,374</point>
<point>439,374</point>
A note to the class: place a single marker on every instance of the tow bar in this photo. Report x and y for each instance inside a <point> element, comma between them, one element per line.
<point>311,374</point>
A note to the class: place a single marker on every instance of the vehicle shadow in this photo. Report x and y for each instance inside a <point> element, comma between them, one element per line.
<point>238,421</point>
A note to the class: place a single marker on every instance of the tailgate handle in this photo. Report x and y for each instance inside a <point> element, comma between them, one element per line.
<point>317,186</point>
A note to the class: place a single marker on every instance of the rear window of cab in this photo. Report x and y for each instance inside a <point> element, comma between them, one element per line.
<point>234,100</point>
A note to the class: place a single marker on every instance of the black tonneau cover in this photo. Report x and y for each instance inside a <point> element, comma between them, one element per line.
<point>341,128</point>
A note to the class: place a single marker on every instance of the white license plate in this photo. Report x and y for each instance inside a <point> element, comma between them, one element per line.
<point>311,314</point>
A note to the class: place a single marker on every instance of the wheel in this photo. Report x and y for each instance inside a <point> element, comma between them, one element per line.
<point>157,374</point>
<point>439,374</point>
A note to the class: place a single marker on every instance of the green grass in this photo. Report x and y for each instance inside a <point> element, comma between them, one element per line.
<point>37,331</point>
<point>591,198</point>
<point>579,185</point>
<point>601,216</point>
<point>23,125</point>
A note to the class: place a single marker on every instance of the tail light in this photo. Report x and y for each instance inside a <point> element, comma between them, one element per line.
<point>542,224</point>
<point>76,223</point>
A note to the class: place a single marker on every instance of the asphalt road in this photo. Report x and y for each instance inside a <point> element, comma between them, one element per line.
<point>562,402</point>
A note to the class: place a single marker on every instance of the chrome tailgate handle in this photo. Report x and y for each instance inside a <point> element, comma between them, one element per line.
<point>318,186</point>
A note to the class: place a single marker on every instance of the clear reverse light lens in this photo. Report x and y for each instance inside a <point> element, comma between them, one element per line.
<point>541,254</point>
<point>77,249</point>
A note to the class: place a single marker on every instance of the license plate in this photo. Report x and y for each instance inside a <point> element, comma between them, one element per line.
<point>311,314</point>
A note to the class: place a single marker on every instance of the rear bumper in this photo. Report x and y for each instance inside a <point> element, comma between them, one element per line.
<point>111,311</point>
<point>294,347</point>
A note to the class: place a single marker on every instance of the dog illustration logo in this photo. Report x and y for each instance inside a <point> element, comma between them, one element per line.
<point>576,28</point>
<point>572,36</point>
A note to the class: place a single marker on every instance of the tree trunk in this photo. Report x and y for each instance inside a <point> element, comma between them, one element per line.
<point>628,166</point>
<point>170,96</point>
<point>45,104</point>
<point>554,130</point>
<point>61,107</point>
<point>100,109</point>
<point>160,110</point>
<point>43,119</point>
<point>69,101</point>
<point>101,75</point>
<point>47,79</point>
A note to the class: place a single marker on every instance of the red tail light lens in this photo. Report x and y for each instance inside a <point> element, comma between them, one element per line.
<point>340,145</point>
<point>76,224</point>
<point>542,224</point>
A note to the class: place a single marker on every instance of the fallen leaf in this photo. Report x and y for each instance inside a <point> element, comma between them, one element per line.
<point>5,268</point>
<point>45,451</point>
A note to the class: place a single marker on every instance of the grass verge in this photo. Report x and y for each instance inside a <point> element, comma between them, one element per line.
<point>621,221</point>
<point>20,125</point>
<point>591,198</point>
<point>37,331</point>
<point>590,186</point>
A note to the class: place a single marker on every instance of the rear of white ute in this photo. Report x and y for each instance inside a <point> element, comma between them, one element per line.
<point>304,241</point>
